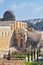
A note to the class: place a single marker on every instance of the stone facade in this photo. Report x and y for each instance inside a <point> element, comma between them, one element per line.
<point>14,33</point>
<point>8,25</point>
<point>6,32</point>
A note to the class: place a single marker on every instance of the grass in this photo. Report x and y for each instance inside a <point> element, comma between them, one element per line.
<point>29,63</point>
<point>33,63</point>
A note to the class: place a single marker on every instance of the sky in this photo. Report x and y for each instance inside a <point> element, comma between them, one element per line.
<point>23,9</point>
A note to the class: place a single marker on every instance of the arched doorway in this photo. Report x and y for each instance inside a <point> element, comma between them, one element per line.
<point>21,43</point>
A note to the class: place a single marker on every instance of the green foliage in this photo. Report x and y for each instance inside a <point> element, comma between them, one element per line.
<point>33,63</point>
<point>29,63</point>
<point>22,56</point>
<point>19,56</point>
<point>39,63</point>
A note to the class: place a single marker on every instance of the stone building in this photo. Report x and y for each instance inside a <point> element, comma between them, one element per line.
<point>8,25</point>
<point>14,34</point>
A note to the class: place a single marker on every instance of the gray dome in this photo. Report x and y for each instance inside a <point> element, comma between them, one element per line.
<point>9,15</point>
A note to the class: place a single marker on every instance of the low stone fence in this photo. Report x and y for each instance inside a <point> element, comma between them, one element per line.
<point>11,62</point>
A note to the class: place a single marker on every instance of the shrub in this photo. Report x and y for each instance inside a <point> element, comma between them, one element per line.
<point>18,56</point>
<point>22,56</point>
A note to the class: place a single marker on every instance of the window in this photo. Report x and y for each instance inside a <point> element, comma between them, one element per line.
<point>2,33</point>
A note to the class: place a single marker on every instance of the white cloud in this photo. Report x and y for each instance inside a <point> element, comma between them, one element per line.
<point>14,6</point>
<point>21,5</point>
<point>35,7</point>
<point>18,6</point>
<point>38,9</point>
<point>1,1</point>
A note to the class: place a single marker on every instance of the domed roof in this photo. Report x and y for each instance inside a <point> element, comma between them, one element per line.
<point>9,15</point>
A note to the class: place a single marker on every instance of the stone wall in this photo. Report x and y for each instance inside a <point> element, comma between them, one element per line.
<point>5,34</point>
<point>11,62</point>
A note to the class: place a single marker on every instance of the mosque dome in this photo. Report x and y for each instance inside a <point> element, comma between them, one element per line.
<point>9,15</point>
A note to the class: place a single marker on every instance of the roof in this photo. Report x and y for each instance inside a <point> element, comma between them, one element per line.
<point>9,15</point>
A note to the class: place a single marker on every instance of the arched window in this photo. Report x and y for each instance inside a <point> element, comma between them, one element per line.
<point>2,33</point>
